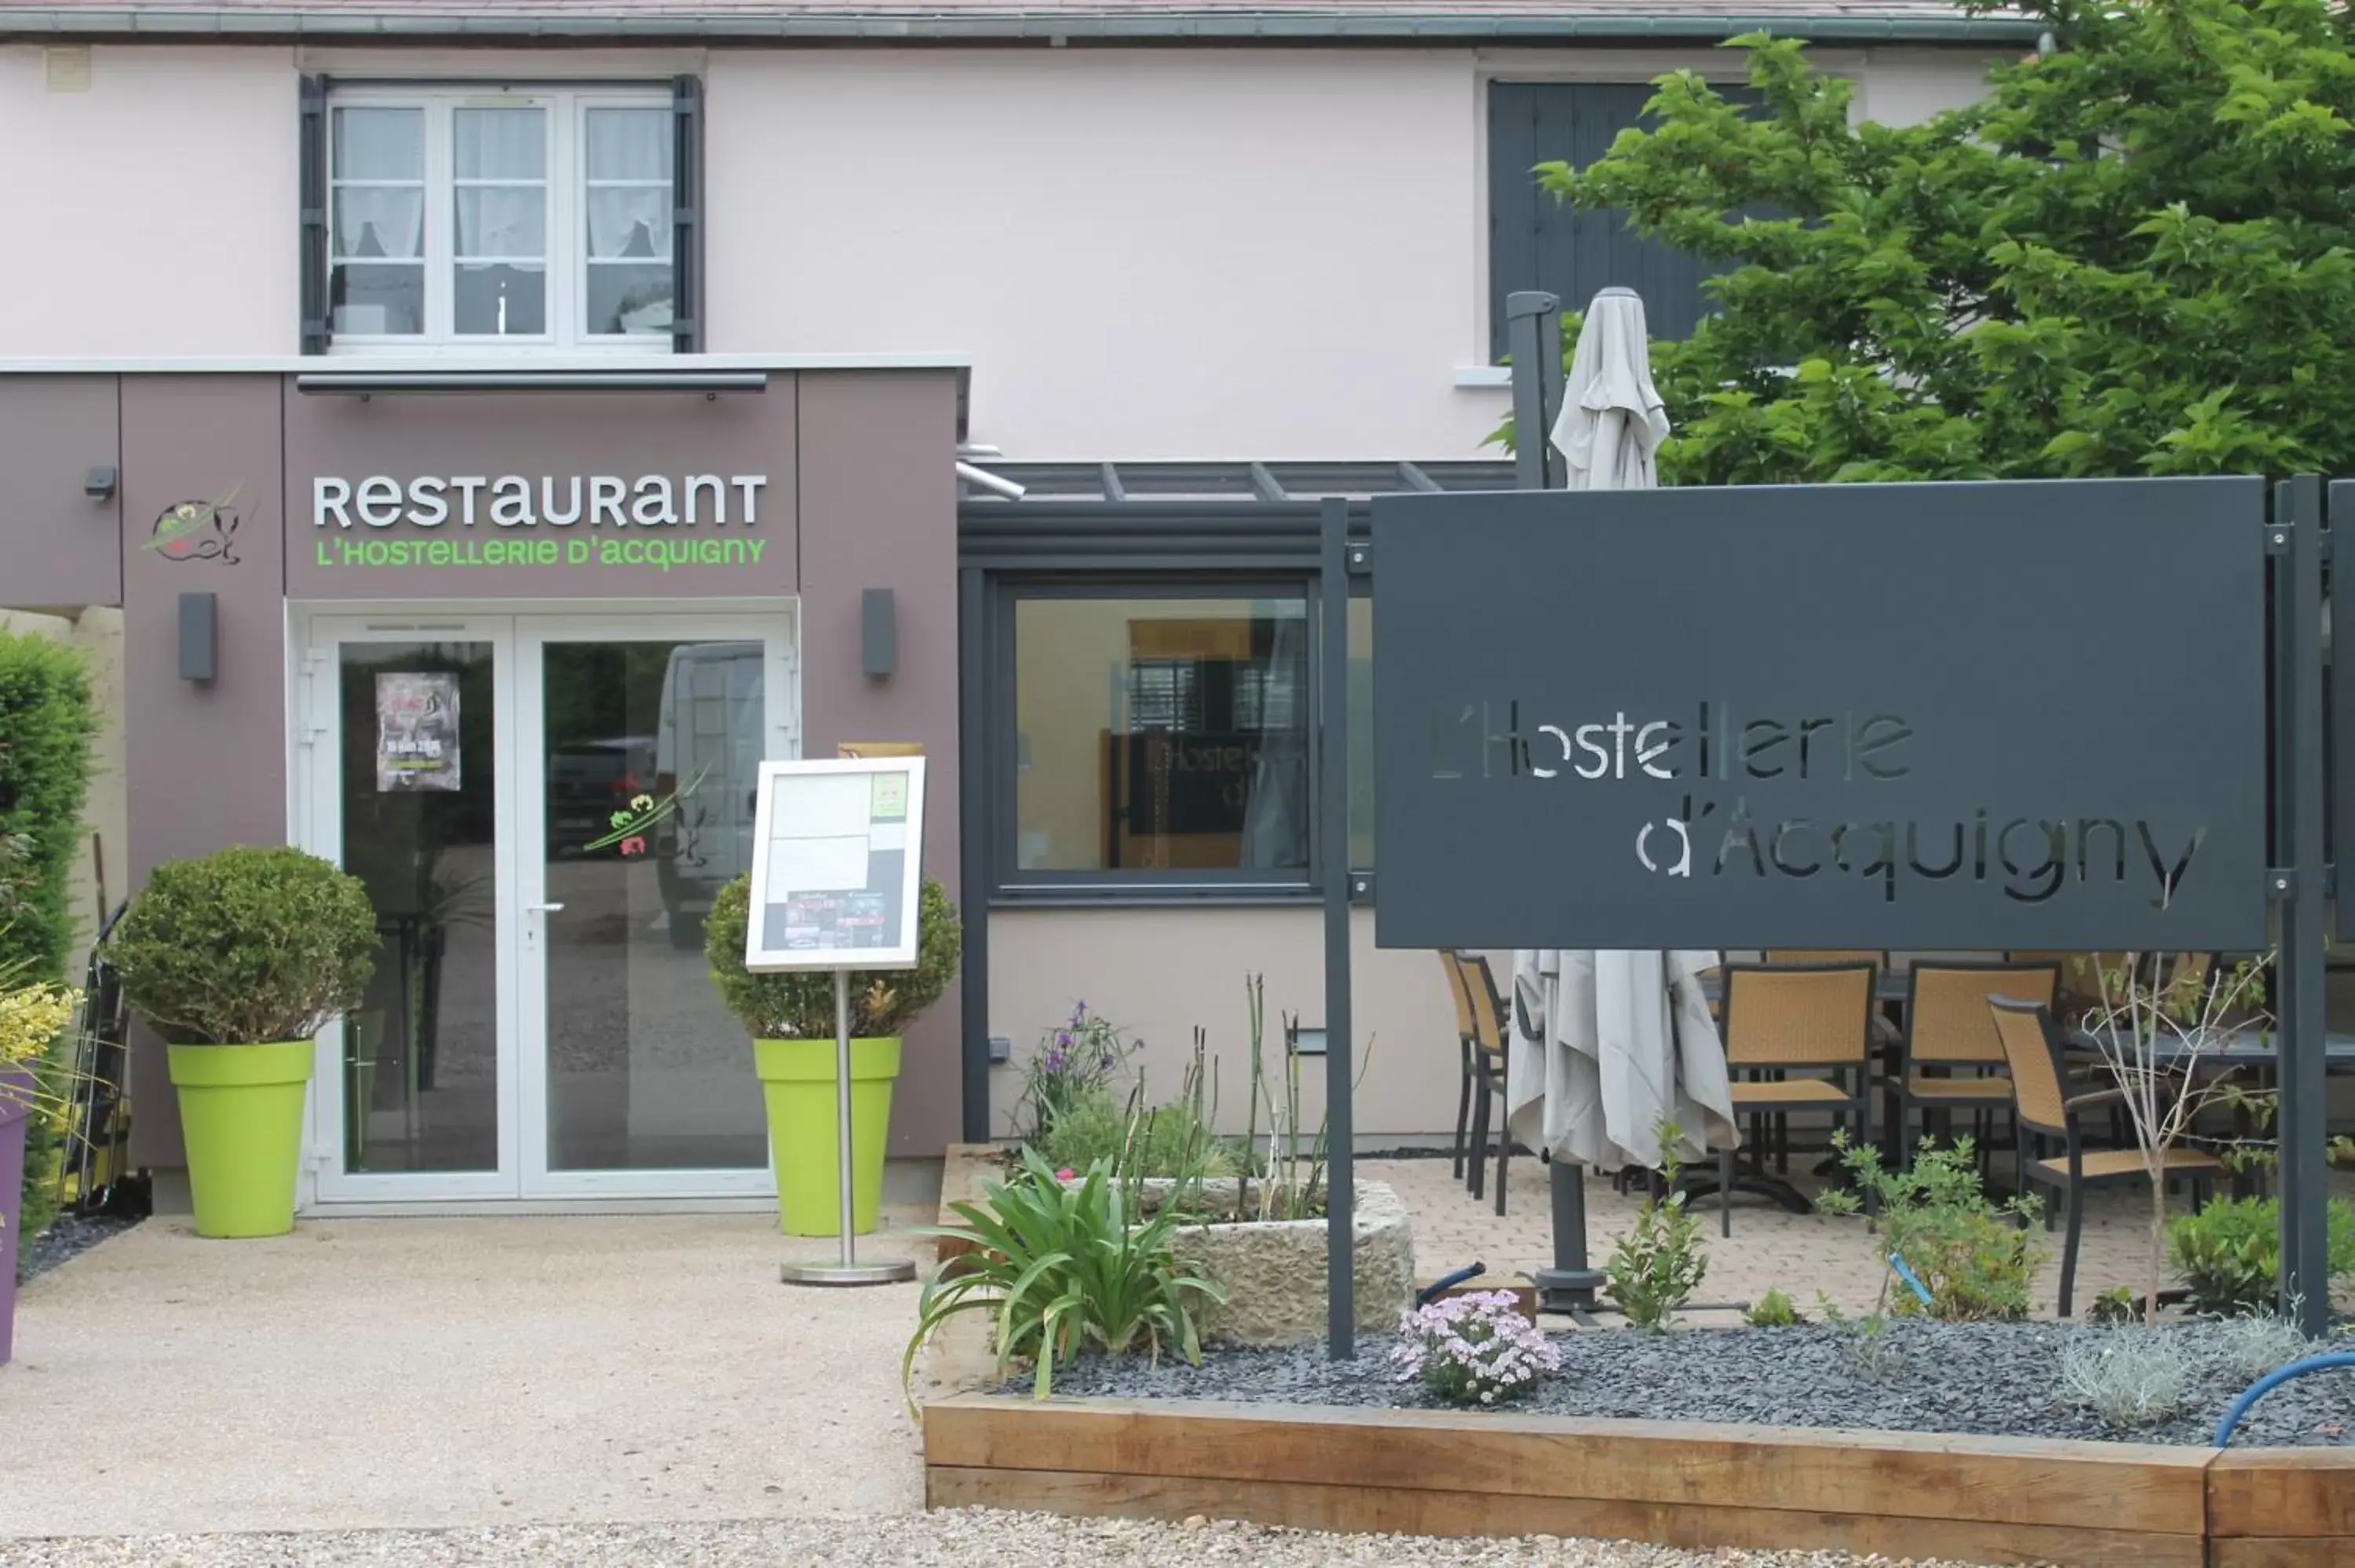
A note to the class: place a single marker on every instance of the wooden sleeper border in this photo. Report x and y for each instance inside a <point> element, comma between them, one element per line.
<point>1984,1499</point>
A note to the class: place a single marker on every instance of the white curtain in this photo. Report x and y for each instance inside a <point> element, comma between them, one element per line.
<point>504,221</point>
<point>632,221</point>
<point>1275,822</point>
<point>373,221</point>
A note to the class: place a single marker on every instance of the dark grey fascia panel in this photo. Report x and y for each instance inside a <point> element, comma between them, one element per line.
<point>1370,25</point>
<point>380,383</point>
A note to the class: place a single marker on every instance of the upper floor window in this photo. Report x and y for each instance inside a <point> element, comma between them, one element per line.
<point>1537,242</point>
<point>485,218</point>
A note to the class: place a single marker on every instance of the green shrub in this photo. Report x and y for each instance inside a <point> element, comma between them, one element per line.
<point>2130,1376</point>
<point>46,722</point>
<point>1658,1264</point>
<point>1062,1270</point>
<point>48,718</point>
<point>1774,1310</point>
<point>245,946</point>
<point>800,1005</point>
<point>1162,1141</point>
<point>2229,1253</point>
<point>1977,1259</point>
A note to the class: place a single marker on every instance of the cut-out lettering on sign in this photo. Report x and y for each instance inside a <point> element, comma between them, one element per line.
<point>1851,715</point>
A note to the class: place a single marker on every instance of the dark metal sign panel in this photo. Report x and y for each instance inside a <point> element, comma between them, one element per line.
<point>1977,716</point>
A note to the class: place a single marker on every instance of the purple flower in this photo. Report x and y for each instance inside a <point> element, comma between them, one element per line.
<point>1055,1061</point>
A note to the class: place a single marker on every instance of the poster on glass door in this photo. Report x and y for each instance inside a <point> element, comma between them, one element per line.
<point>416,731</point>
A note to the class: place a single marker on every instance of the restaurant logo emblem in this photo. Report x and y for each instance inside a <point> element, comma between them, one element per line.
<point>198,531</point>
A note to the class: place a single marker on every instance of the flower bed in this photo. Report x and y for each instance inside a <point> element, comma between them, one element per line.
<point>1914,1375</point>
<point>1986,1499</point>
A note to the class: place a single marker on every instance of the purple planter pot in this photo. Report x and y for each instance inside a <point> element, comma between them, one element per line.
<point>15,1110</point>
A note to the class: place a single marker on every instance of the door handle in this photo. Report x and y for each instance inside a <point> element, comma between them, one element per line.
<point>543,908</point>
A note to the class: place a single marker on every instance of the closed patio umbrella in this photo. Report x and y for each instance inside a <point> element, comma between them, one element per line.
<point>1606,1044</point>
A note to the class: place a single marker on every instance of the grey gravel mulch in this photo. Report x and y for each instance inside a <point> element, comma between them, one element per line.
<point>1996,1379</point>
<point>69,1237</point>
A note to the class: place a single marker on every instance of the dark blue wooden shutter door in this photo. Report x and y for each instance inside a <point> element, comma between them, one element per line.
<point>1536,242</point>
<point>686,334</point>
<point>311,207</point>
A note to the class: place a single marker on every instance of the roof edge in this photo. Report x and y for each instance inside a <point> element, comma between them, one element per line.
<point>406,25</point>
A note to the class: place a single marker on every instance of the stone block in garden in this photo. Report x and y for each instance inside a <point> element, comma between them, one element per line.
<point>1273,1270</point>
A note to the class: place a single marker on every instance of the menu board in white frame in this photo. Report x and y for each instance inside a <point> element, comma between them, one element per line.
<point>837,864</point>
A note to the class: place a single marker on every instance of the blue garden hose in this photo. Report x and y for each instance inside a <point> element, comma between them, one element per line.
<point>1447,1282</point>
<point>2272,1380</point>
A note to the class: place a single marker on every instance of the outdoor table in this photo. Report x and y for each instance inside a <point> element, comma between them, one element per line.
<point>1888,990</point>
<point>2248,1046</point>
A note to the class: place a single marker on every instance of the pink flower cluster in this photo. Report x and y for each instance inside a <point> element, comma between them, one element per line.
<point>1476,1349</point>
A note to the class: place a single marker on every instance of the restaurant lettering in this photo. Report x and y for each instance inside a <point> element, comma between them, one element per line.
<point>514,501</point>
<point>1711,833</point>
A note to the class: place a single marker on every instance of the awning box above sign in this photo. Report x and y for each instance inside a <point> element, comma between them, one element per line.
<point>1981,717</point>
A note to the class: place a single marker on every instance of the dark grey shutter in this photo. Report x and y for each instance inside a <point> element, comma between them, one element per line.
<point>687,215</point>
<point>312,204</point>
<point>1536,242</point>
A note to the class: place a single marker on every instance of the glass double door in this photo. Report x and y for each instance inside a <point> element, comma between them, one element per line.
<point>542,809</point>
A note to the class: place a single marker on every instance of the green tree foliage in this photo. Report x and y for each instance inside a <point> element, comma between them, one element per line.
<point>47,720</point>
<point>2131,257</point>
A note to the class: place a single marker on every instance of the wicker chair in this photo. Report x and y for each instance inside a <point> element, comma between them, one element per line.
<point>1950,1058</point>
<point>2048,1110</point>
<point>1467,1035</point>
<point>1492,1018</point>
<point>1791,1024</point>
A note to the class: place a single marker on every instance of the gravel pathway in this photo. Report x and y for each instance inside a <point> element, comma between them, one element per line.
<point>1999,1379</point>
<point>961,1537</point>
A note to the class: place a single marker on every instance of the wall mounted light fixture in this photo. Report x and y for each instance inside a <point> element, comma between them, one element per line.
<point>879,634</point>
<point>200,636</point>
<point>99,482</point>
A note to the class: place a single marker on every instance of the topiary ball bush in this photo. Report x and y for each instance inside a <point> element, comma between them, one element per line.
<point>246,946</point>
<point>800,1005</point>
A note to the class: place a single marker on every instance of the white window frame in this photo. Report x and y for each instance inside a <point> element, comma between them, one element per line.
<point>566,111</point>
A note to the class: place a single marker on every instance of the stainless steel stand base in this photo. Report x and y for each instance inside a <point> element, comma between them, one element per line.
<point>893,1272</point>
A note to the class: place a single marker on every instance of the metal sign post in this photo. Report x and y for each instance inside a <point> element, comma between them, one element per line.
<point>836,885</point>
<point>848,1270</point>
<point>2294,542</point>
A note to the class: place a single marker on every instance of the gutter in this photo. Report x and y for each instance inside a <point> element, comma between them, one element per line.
<point>406,25</point>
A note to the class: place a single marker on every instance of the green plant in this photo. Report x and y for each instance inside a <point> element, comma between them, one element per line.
<point>1977,1259</point>
<point>2113,1306</point>
<point>1774,1310</point>
<point>1173,1141</point>
<point>2228,1256</point>
<point>1074,1062</point>
<point>2131,257</point>
<point>1280,1180</point>
<point>33,1020</point>
<point>1658,1264</point>
<point>245,946</point>
<point>48,718</point>
<point>2253,1345</point>
<point>2130,1376</point>
<point>800,1005</point>
<point>1064,1267</point>
<point>1866,1339</point>
<point>1474,1349</point>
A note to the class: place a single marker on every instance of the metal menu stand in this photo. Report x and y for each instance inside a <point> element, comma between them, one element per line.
<point>846,1270</point>
<point>836,878</point>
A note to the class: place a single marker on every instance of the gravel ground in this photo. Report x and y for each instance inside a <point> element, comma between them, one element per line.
<point>71,1236</point>
<point>963,1537</point>
<point>1999,1379</point>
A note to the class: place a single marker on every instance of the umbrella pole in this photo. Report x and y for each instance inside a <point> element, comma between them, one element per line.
<point>1568,1286</point>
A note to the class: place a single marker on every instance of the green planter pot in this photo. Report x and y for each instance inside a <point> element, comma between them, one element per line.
<point>797,1080</point>
<point>242,1115</point>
